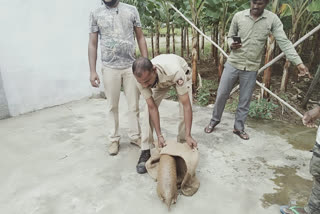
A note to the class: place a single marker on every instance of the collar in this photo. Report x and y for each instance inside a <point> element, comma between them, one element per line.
<point>160,73</point>
<point>155,82</point>
<point>263,15</point>
<point>110,8</point>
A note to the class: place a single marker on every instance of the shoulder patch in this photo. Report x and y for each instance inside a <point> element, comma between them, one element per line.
<point>180,82</point>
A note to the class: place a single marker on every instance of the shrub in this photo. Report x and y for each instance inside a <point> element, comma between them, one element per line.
<point>203,93</point>
<point>262,109</point>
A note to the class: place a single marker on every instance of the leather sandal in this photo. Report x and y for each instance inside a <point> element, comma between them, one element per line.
<point>242,134</point>
<point>209,128</point>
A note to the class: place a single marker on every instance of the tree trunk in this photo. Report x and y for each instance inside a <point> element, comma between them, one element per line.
<point>315,81</point>
<point>152,45</point>
<point>157,39</point>
<point>285,76</point>
<point>316,51</point>
<point>173,40</point>
<point>202,41</point>
<point>198,46</point>
<point>221,56</point>
<point>182,41</point>
<point>268,58</point>
<point>168,38</point>
<point>212,46</point>
<point>194,59</point>
<point>187,40</point>
<point>216,51</point>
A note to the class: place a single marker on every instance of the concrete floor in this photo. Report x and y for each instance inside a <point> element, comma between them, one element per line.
<point>55,161</point>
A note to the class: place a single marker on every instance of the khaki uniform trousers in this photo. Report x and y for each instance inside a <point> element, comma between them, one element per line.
<point>147,127</point>
<point>112,80</point>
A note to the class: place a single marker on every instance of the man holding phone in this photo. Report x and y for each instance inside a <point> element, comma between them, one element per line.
<point>247,36</point>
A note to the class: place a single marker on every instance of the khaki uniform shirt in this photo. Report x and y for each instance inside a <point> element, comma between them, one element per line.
<point>172,70</point>
<point>254,34</point>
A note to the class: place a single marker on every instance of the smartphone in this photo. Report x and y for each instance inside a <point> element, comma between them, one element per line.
<point>236,39</point>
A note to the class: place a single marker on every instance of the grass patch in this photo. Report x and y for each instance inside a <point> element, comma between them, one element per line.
<point>205,93</point>
<point>260,109</point>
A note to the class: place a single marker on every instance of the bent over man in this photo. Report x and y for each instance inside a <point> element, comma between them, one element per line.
<point>154,79</point>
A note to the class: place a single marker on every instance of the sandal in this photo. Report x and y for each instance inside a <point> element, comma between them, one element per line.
<point>209,128</point>
<point>242,134</point>
<point>292,210</point>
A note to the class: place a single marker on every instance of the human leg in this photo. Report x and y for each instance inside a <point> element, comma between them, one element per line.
<point>147,131</point>
<point>132,94</point>
<point>247,83</point>
<point>228,78</point>
<point>112,86</point>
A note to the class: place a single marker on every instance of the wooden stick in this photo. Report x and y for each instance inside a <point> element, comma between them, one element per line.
<point>197,29</point>
<point>281,100</point>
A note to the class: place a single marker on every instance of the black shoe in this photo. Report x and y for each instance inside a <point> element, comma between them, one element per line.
<point>141,165</point>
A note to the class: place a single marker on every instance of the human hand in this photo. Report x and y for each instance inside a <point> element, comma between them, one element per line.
<point>94,79</point>
<point>192,143</point>
<point>161,141</point>
<point>308,121</point>
<point>235,45</point>
<point>303,70</point>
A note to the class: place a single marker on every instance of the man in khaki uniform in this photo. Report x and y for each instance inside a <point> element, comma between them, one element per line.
<point>154,79</point>
<point>117,24</point>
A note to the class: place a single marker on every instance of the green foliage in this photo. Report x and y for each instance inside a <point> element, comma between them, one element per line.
<point>204,94</point>
<point>172,94</point>
<point>284,96</point>
<point>232,107</point>
<point>262,109</point>
<point>258,108</point>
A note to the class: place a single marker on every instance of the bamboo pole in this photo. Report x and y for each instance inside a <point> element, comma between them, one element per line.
<point>261,69</point>
<point>197,29</point>
<point>281,100</point>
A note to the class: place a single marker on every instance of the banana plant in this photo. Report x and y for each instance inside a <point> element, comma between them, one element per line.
<point>223,10</point>
<point>296,9</point>
<point>269,53</point>
<point>195,8</point>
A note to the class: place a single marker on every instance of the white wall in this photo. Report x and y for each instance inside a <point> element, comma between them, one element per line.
<point>43,52</point>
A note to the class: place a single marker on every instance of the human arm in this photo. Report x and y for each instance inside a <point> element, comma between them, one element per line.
<point>92,55</point>
<point>310,116</point>
<point>155,119</point>
<point>187,112</point>
<point>303,70</point>
<point>141,42</point>
<point>286,46</point>
<point>233,31</point>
